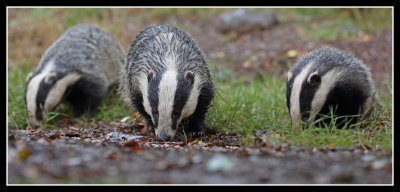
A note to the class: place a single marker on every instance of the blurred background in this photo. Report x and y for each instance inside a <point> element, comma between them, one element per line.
<point>260,48</point>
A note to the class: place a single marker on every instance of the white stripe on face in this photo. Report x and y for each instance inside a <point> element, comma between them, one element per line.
<point>166,96</point>
<point>295,113</point>
<point>31,94</point>
<point>144,86</point>
<point>57,91</point>
<point>328,81</point>
<point>191,103</point>
<point>32,90</point>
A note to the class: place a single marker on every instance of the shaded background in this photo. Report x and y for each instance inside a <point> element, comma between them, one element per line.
<point>364,32</point>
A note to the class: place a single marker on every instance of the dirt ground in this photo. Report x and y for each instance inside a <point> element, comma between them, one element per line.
<point>118,154</point>
<point>122,153</point>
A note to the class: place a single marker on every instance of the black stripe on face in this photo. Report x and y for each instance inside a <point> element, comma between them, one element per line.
<point>306,97</point>
<point>183,90</point>
<point>289,88</point>
<point>153,96</point>
<point>42,94</point>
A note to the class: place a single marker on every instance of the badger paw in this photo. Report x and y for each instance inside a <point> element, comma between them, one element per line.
<point>197,134</point>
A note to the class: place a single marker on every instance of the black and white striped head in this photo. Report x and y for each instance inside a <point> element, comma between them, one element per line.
<point>170,97</point>
<point>327,79</point>
<point>44,91</point>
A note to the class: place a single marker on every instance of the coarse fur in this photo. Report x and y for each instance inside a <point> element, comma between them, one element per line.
<point>328,79</point>
<point>79,67</point>
<point>166,78</point>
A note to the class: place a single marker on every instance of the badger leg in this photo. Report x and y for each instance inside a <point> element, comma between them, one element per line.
<point>85,97</point>
<point>196,124</point>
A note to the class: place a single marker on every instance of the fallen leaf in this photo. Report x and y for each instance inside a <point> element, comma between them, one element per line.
<point>246,64</point>
<point>219,54</point>
<point>244,152</point>
<point>56,135</point>
<point>330,144</point>
<point>291,53</point>
<point>366,38</point>
<point>134,115</point>
<point>133,145</point>
<point>23,153</point>
<point>144,129</point>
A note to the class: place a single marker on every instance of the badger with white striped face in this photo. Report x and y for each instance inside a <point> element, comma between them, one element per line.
<point>166,78</point>
<point>328,79</point>
<point>79,67</point>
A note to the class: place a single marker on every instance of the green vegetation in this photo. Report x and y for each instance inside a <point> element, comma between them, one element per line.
<point>329,24</point>
<point>240,105</point>
<point>243,107</point>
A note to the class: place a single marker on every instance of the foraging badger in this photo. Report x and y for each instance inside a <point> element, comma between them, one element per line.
<point>328,78</point>
<point>166,78</point>
<point>79,67</point>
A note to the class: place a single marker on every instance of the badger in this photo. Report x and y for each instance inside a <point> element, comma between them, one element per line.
<point>79,67</point>
<point>167,80</point>
<point>328,81</point>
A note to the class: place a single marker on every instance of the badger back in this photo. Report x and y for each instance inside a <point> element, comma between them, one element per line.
<point>328,78</point>
<point>84,53</point>
<point>88,50</point>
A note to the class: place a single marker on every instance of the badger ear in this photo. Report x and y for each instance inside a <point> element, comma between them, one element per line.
<point>190,77</point>
<point>150,75</point>
<point>50,78</point>
<point>314,79</point>
<point>29,76</point>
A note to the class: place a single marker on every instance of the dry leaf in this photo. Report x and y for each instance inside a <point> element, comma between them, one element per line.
<point>291,53</point>
<point>246,64</point>
<point>366,38</point>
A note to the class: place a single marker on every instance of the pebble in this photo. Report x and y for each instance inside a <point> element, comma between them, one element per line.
<point>74,161</point>
<point>379,164</point>
<point>219,162</point>
<point>367,158</point>
<point>196,159</point>
<point>243,21</point>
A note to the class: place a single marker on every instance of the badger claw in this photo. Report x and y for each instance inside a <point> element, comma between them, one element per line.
<point>197,134</point>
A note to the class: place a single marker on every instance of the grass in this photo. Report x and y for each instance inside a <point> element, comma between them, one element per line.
<point>330,24</point>
<point>240,105</point>
<point>243,107</point>
<point>111,109</point>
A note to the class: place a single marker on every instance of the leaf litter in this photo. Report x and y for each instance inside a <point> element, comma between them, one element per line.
<point>120,152</point>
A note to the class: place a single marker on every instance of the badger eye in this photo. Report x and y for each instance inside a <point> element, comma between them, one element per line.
<point>155,112</point>
<point>175,113</point>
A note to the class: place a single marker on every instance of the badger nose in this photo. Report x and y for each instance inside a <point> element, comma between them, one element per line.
<point>164,137</point>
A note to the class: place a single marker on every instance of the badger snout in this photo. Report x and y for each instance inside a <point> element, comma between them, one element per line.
<point>33,121</point>
<point>164,134</point>
<point>164,137</point>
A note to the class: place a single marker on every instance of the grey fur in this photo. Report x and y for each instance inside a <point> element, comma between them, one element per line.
<point>355,73</point>
<point>89,51</point>
<point>148,53</point>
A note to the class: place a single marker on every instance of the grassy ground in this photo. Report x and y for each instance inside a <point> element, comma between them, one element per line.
<point>261,105</point>
<point>240,105</point>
